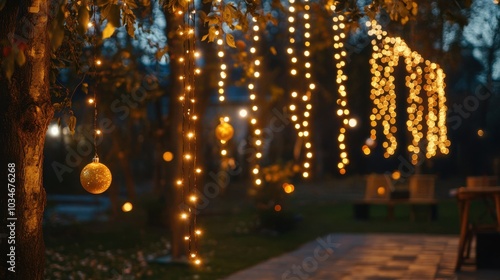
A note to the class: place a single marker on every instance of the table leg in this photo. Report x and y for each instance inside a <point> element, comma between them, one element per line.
<point>497,207</point>
<point>464,218</point>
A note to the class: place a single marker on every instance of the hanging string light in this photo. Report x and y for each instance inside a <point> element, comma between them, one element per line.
<point>343,112</point>
<point>189,171</point>
<point>306,97</point>
<point>301,106</point>
<point>252,89</point>
<point>95,177</point>
<point>224,131</point>
<point>385,57</point>
<point>293,64</point>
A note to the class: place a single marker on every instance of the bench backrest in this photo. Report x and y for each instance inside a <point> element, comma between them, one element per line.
<point>481,181</point>
<point>378,187</point>
<point>422,186</point>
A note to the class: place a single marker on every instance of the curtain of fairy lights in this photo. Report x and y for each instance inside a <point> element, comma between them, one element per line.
<point>426,100</point>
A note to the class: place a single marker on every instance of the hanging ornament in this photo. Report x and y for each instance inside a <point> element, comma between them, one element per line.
<point>224,131</point>
<point>95,177</point>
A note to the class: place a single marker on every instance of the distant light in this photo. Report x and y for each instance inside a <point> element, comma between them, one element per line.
<point>243,113</point>
<point>277,207</point>
<point>90,100</point>
<point>381,191</point>
<point>353,122</point>
<point>370,142</point>
<point>480,132</point>
<point>366,150</point>
<point>54,130</point>
<point>396,175</point>
<point>288,188</point>
<point>127,207</point>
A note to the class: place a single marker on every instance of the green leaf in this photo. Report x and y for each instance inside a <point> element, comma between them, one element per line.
<point>105,12</point>
<point>53,76</point>
<point>129,21</point>
<point>202,16</point>
<point>57,107</point>
<point>182,3</point>
<point>83,19</point>
<point>212,20</point>
<point>20,58</point>
<point>56,37</point>
<point>161,52</point>
<point>230,40</point>
<point>227,14</point>
<point>8,66</point>
<point>114,15</point>
<point>102,3</point>
<point>131,4</point>
<point>212,34</point>
<point>85,88</point>
<point>130,29</point>
<point>72,124</point>
<point>108,30</point>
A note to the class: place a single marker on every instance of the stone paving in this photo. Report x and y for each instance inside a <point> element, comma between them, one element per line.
<point>370,257</point>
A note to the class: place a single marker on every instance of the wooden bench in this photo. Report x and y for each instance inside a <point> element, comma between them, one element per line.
<point>378,192</point>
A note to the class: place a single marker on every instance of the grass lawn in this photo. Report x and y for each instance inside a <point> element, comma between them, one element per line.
<point>231,242</point>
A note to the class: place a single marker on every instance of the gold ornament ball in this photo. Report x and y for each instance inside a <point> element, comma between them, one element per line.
<point>95,177</point>
<point>224,131</point>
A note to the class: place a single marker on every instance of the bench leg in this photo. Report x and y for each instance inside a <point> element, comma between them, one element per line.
<point>390,211</point>
<point>434,212</point>
<point>361,211</point>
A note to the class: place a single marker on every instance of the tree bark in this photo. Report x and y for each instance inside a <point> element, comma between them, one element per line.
<point>178,229</point>
<point>25,112</point>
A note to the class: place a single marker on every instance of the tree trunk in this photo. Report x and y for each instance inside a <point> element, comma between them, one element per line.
<point>178,229</point>
<point>25,112</point>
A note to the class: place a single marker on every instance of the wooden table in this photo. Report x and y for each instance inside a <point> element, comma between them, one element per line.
<point>465,196</point>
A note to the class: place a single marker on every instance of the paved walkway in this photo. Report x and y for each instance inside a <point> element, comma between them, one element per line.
<point>368,256</point>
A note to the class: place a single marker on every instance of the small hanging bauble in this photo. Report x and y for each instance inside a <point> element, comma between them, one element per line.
<point>95,177</point>
<point>224,131</point>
